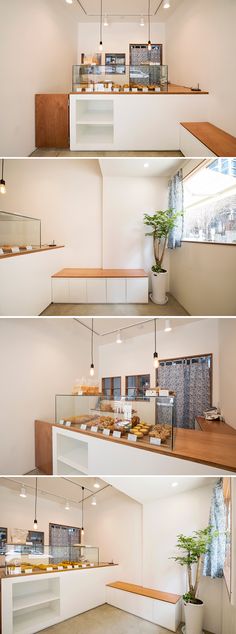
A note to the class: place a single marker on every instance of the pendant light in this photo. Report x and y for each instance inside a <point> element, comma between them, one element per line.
<point>2,181</point>
<point>82,529</point>
<point>35,505</point>
<point>23,493</point>
<point>92,364</point>
<point>149,27</point>
<point>101,44</point>
<point>155,355</point>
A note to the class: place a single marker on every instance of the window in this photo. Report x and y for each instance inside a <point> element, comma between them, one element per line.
<point>139,54</point>
<point>136,385</point>
<point>210,203</point>
<point>111,387</point>
<point>115,63</point>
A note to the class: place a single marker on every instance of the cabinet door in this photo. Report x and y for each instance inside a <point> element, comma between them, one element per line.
<point>116,291</point>
<point>52,121</point>
<point>96,291</point>
<point>137,290</point>
<point>77,291</point>
<point>60,290</point>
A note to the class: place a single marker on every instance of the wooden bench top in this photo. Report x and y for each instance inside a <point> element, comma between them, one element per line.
<point>219,142</point>
<point>171,89</point>
<point>168,597</point>
<point>217,426</point>
<point>100,273</point>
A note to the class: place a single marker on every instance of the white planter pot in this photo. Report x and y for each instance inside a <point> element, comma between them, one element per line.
<point>193,618</point>
<point>159,281</point>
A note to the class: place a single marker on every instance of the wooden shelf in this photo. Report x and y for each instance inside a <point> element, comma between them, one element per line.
<point>168,597</point>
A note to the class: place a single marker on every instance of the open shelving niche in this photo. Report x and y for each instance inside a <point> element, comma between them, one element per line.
<point>94,121</point>
<point>35,603</point>
<point>72,456</point>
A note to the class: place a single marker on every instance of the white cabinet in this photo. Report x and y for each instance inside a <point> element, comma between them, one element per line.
<point>96,291</point>
<point>116,291</point>
<point>191,146</point>
<point>77,291</point>
<point>137,290</point>
<point>60,290</point>
<point>167,615</point>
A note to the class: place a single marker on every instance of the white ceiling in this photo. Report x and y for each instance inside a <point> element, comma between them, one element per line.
<point>149,488</point>
<point>106,328</point>
<point>122,10</point>
<point>122,167</point>
<point>56,488</point>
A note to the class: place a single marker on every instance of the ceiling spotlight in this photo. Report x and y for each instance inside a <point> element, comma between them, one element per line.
<point>141,23</point>
<point>67,505</point>
<point>96,485</point>
<point>167,325</point>
<point>146,165</point>
<point>23,493</point>
<point>105,23</point>
<point>94,503</point>
<point>69,1</point>
<point>166,4</point>
<point>119,337</point>
<point>175,484</point>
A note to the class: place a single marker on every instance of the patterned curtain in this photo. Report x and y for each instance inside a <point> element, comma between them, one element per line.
<point>176,202</point>
<point>191,382</point>
<point>215,557</point>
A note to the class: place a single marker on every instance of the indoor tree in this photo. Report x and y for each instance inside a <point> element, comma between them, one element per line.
<point>192,550</point>
<point>161,223</point>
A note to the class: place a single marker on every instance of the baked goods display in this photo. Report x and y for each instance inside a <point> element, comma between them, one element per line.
<point>27,568</point>
<point>88,390</point>
<point>161,431</point>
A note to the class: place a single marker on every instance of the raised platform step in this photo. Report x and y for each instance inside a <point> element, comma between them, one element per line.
<point>219,142</point>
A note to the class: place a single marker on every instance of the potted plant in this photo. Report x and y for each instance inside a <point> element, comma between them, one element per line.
<point>161,223</point>
<point>192,549</point>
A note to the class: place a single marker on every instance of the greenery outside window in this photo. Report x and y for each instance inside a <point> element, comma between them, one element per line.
<point>210,203</point>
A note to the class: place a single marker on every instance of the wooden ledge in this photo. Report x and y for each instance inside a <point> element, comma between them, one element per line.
<point>51,572</point>
<point>173,89</point>
<point>168,597</point>
<point>13,255</point>
<point>216,426</point>
<point>100,273</point>
<point>219,142</point>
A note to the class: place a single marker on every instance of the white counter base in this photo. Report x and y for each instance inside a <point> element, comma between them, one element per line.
<point>161,613</point>
<point>100,291</point>
<point>191,146</point>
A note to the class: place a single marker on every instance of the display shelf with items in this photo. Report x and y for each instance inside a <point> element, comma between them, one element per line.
<point>18,233</point>
<point>96,78</point>
<point>25,559</point>
<point>149,419</point>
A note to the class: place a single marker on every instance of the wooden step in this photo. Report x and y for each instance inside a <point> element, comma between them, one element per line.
<point>168,597</point>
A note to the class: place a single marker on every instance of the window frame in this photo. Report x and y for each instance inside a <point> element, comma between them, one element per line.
<point>137,385</point>
<point>111,378</point>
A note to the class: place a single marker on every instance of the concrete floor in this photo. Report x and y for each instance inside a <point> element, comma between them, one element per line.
<point>107,620</point>
<point>172,308</point>
<point>62,153</point>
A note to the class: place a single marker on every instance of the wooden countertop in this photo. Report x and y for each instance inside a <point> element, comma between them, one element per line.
<point>39,250</point>
<point>209,448</point>
<point>219,142</point>
<point>168,597</point>
<point>173,89</point>
<point>51,572</point>
<point>217,426</point>
<point>100,273</point>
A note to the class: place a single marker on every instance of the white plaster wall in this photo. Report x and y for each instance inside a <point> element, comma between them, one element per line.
<point>163,520</point>
<point>67,197</point>
<point>227,332</point>
<point>39,359</point>
<point>202,278</point>
<point>17,512</point>
<point>38,42</point>
<point>115,524</point>
<point>201,47</point>
<point>117,37</point>
<point>135,355</point>
<point>125,200</point>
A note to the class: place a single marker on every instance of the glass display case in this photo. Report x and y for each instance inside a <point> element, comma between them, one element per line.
<point>149,419</point>
<point>19,233</point>
<point>31,558</point>
<point>143,78</point>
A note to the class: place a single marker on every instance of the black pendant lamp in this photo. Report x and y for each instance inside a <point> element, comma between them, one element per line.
<point>100,43</point>
<point>155,354</point>
<point>35,505</point>
<point>2,181</point>
<point>149,27</point>
<point>82,529</point>
<point>92,363</point>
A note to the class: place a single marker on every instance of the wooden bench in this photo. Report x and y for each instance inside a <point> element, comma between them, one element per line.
<point>204,139</point>
<point>161,608</point>
<point>100,286</point>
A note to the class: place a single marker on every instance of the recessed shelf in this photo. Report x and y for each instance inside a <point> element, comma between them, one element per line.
<point>96,133</point>
<point>74,465</point>
<point>30,600</point>
<point>96,118</point>
<point>28,622</point>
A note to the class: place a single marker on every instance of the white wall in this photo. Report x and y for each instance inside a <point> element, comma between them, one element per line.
<point>38,43</point>
<point>117,37</point>
<point>227,331</point>
<point>115,524</point>
<point>125,200</point>
<point>39,359</point>
<point>162,521</point>
<point>17,512</point>
<point>201,47</point>
<point>135,355</point>
<point>67,197</point>
<point>202,278</point>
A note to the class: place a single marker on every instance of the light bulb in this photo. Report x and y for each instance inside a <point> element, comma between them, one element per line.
<point>155,360</point>
<point>35,524</point>
<point>118,338</point>
<point>167,325</point>
<point>100,46</point>
<point>149,46</point>
<point>91,372</point>
<point>23,493</point>
<point>141,22</point>
<point>94,503</point>
<point>2,187</point>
